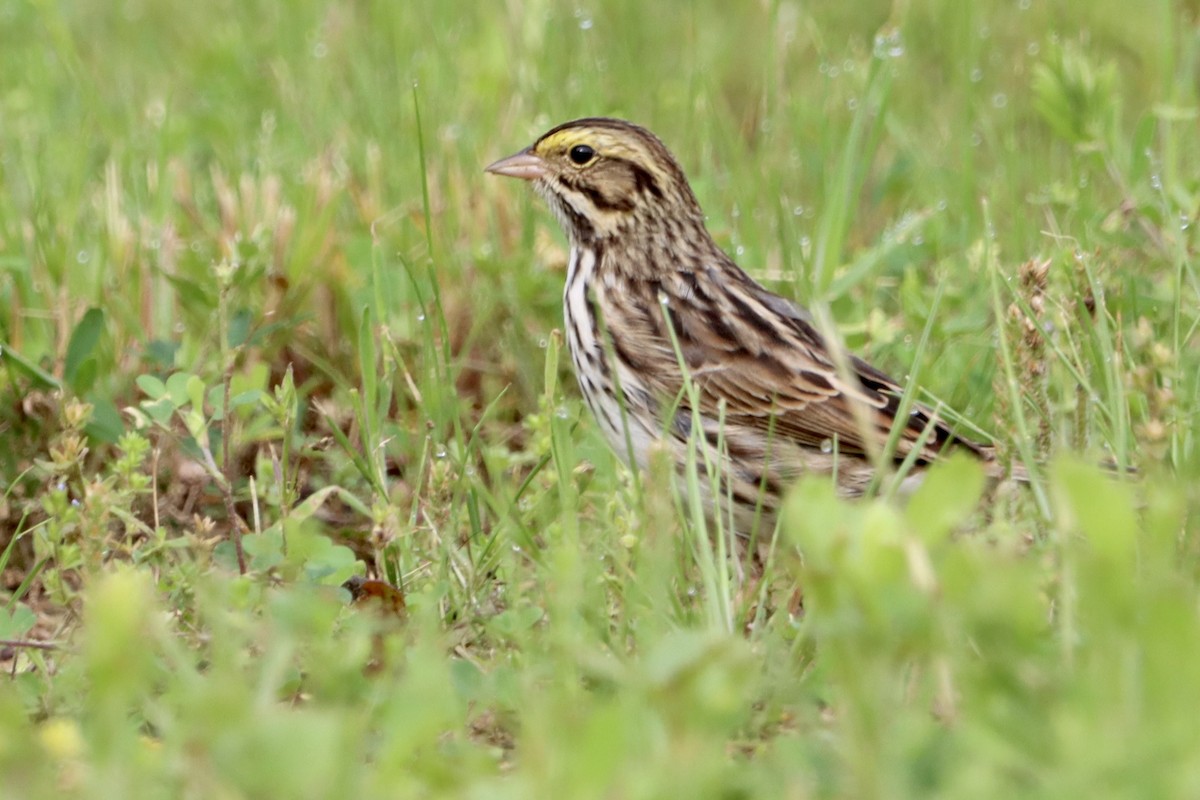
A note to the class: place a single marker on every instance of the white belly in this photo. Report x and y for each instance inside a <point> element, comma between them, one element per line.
<point>628,434</point>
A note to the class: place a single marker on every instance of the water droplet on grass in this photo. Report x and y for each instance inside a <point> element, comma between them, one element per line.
<point>890,45</point>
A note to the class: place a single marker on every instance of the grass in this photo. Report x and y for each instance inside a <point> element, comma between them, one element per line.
<point>251,266</point>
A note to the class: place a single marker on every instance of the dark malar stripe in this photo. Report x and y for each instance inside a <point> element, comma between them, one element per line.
<point>580,223</point>
<point>604,203</point>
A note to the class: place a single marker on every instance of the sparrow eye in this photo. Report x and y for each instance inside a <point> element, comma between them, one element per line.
<point>582,154</point>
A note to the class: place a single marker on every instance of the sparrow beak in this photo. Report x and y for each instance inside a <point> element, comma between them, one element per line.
<point>524,165</point>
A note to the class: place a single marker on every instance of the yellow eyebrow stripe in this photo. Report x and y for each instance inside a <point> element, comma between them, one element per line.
<point>602,141</point>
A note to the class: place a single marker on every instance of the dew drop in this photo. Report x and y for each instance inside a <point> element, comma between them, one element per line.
<point>320,50</point>
<point>888,46</point>
<point>976,75</point>
<point>439,451</point>
<point>827,445</point>
<point>83,256</point>
<point>999,100</point>
<point>663,299</point>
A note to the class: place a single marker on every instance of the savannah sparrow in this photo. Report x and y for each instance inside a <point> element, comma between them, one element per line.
<point>652,302</point>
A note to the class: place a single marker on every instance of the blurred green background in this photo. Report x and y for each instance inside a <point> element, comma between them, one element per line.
<point>255,239</point>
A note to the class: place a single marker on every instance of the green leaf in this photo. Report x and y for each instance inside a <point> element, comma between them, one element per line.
<point>83,341</point>
<point>331,564</point>
<point>1101,508</point>
<point>177,387</point>
<point>265,549</point>
<point>106,424</point>
<point>239,327</point>
<point>513,622</point>
<point>31,370</point>
<point>216,400</point>
<point>159,411</point>
<point>247,398</point>
<point>311,504</point>
<point>151,386</point>
<point>17,621</point>
<point>85,376</point>
<point>194,421</point>
<point>161,353</point>
<point>949,492</point>
<point>195,392</point>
